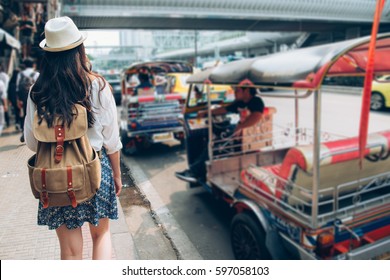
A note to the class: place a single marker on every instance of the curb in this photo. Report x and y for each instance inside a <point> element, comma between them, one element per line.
<point>179,240</point>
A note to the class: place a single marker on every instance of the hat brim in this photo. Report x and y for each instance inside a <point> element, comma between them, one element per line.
<point>43,46</point>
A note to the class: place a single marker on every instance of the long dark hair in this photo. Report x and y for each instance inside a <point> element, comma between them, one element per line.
<point>64,81</point>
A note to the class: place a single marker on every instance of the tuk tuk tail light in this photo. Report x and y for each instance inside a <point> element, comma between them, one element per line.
<point>133,110</point>
<point>129,91</point>
<point>325,244</point>
<point>133,125</point>
<point>179,135</point>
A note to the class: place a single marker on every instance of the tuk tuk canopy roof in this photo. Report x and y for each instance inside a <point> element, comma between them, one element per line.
<point>8,40</point>
<point>161,67</point>
<point>301,68</point>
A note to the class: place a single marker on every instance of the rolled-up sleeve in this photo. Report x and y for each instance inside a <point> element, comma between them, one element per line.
<point>31,142</point>
<point>109,121</point>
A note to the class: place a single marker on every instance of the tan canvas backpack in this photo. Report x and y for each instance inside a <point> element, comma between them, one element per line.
<point>65,170</point>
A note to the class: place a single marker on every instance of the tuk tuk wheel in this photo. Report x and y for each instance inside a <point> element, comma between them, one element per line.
<point>182,143</point>
<point>129,146</point>
<point>248,238</point>
<point>377,101</point>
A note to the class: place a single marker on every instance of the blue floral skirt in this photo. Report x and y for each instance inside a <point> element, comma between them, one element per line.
<point>102,205</point>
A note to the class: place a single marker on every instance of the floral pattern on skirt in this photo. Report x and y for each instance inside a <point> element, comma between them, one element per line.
<point>102,205</point>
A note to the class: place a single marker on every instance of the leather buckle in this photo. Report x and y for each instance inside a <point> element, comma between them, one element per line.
<point>71,193</point>
<point>60,137</point>
<point>59,149</point>
<point>72,197</point>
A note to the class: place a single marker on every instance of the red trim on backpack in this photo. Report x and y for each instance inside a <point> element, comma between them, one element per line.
<point>60,136</point>
<point>71,193</point>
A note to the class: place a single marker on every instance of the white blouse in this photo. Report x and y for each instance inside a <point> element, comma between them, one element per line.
<point>105,131</point>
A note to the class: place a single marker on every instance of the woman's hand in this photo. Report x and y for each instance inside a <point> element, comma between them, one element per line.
<point>118,185</point>
<point>116,171</point>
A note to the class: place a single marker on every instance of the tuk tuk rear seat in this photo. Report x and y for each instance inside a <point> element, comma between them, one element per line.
<point>147,91</point>
<point>292,180</point>
<point>259,135</point>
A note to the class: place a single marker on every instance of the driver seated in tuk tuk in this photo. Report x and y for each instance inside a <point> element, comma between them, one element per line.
<point>198,94</point>
<point>250,108</point>
<point>160,82</point>
<point>145,82</point>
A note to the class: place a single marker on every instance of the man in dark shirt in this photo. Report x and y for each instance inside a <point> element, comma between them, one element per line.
<point>144,80</point>
<point>249,106</point>
<point>27,30</point>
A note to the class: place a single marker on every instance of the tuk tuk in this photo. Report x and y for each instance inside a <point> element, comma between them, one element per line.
<point>8,51</point>
<point>151,113</point>
<point>297,192</point>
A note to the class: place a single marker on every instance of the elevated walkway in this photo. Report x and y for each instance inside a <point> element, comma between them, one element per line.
<point>249,15</point>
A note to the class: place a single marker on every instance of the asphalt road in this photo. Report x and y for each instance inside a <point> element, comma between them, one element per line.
<point>199,221</point>
<point>203,220</point>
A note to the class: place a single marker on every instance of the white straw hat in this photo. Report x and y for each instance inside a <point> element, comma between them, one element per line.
<point>61,35</point>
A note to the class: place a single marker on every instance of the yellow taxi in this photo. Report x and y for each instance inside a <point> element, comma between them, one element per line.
<point>380,93</point>
<point>177,82</point>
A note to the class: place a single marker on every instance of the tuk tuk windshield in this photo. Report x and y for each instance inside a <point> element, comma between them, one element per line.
<point>383,79</point>
<point>154,78</point>
<point>219,94</point>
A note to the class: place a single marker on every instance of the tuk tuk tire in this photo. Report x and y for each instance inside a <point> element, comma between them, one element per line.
<point>248,238</point>
<point>128,149</point>
<point>193,185</point>
<point>378,97</point>
<point>183,143</point>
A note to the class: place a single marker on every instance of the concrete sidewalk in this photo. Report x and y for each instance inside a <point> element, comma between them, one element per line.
<point>20,236</point>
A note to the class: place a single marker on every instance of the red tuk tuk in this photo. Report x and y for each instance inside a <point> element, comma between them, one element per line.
<point>151,113</point>
<point>298,192</point>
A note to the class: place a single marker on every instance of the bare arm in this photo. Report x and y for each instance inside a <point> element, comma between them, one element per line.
<point>214,112</point>
<point>116,171</point>
<point>251,120</point>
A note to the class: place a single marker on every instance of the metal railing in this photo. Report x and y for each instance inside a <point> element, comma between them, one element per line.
<point>280,137</point>
<point>373,191</point>
<point>155,114</point>
<point>342,201</point>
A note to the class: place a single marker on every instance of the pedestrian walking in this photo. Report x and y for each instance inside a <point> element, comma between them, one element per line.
<point>12,98</point>
<point>3,105</point>
<point>25,79</point>
<point>4,99</point>
<point>27,30</point>
<point>4,77</point>
<point>64,81</point>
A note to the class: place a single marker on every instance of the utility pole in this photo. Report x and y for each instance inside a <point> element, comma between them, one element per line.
<point>196,48</point>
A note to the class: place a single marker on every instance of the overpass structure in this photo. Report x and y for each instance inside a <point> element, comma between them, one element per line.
<point>248,15</point>
<point>289,23</point>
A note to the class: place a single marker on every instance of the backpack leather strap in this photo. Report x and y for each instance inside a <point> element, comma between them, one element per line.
<point>60,136</point>
<point>44,194</point>
<point>71,192</point>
